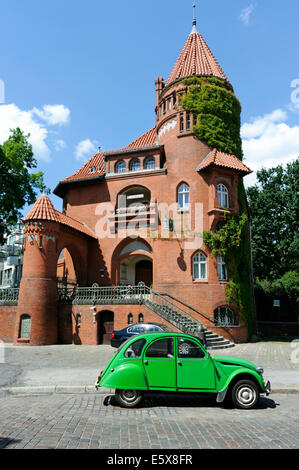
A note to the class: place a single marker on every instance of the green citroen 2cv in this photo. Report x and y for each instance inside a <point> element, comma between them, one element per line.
<point>177,362</point>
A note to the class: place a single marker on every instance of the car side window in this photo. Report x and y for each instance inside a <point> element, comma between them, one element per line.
<point>135,349</point>
<point>161,348</point>
<point>189,349</point>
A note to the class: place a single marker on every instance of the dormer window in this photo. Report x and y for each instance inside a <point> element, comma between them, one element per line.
<point>135,165</point>
<point>120,167</point>
<point>149,163</point>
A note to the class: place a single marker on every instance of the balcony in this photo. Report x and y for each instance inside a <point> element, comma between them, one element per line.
<point>134,217</point>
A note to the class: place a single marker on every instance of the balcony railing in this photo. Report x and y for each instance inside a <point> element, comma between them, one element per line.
<point>141,217</point>
<point>9,296</point>
<point>104,295</point>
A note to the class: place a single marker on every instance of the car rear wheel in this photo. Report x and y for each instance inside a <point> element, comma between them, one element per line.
<point>128,398</point>
<point>245,394</point>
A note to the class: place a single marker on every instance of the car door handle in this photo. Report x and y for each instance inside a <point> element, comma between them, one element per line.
<point>179,363</point>
<point>146,363</point>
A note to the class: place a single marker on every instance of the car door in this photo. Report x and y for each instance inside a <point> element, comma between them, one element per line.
<point>160,365</point>
<point>195,369</point>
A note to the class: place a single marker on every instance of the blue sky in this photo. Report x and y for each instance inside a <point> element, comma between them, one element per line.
<point>81,74</point>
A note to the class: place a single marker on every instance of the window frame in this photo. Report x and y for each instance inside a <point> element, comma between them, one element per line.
<point>199,263</point>
<point>132,163</point>
<point>172,356</point>
<point>149,159</point>
<point>117,166</point>
<point>182,191</point>
<point>222,268</point>
<point>223,195</point>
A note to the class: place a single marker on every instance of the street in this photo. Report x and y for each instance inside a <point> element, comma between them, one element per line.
<point>62,421</point>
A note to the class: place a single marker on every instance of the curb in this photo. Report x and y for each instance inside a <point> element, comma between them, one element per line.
<point>90,389</point>
<point>54,389</point>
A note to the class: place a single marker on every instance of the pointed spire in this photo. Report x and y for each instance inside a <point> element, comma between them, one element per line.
<point>194,28</point>
<point>196,58</point>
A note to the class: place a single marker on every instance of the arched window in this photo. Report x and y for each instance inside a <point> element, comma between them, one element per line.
<point>222,195</point>
<point>140,318</point>
<point>183,196</point>
<point>199,264</point>
<point>25,324</point>
<point>134,165</point>
<point>120,167</point>
<point>149,163</point>
<point>224,316</point>
<point>78,318</point>
<point>130,319</point>
<point>222,269</point>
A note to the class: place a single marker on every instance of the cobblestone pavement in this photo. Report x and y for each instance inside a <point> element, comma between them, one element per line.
<point>85,422</point>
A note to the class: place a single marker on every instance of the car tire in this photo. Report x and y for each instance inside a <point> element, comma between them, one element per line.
<point>245,394</point>
<point>128,398</point>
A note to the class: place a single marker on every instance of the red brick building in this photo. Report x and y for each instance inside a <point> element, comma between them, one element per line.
<point>130,216</point>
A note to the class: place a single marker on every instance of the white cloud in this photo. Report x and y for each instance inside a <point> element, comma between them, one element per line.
<point>268,142</point>
<point>11,116</point>
<point>245,15</point>
<point>60,144</point>
<point>86,149</point>
<point>53,114</point>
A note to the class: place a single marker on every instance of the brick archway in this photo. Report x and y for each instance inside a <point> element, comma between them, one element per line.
<point>46,233</point>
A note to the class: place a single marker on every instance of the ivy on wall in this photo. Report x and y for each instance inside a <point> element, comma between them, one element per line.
<point>218,113</point>
<point>218,125</point>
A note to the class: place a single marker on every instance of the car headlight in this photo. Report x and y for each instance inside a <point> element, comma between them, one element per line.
<point>260,369</point>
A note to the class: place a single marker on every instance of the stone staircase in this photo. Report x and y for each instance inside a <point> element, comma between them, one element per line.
<point>215,341</point>
<point>184,321</point>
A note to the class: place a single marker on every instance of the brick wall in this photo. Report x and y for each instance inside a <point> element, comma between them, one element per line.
<point>7,323</point>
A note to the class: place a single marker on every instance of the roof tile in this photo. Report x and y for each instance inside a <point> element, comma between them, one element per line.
<point>224,160</point>
<point>196,59</point>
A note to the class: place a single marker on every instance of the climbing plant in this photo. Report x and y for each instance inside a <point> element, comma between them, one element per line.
<point>218,123</point>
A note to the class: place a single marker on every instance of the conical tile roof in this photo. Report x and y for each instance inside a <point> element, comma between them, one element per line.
<point>196,59</point>
<point>42,209</point>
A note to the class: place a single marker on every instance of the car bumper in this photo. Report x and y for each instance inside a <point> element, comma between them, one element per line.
<point>115,343</point>
<point>268,388</point>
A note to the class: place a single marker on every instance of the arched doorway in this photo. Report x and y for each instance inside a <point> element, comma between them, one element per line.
<point>105,321</point>
<point>135,269</point>
<point>144,272</point>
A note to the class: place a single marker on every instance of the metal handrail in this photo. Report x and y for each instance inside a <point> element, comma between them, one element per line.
<point>140,294</point>
<point>157,298</point>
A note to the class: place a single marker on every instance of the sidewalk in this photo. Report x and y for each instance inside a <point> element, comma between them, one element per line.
<point>74,369</point>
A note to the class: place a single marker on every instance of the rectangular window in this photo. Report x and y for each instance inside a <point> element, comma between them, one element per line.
<point>222,269</point>
<point>181,123</point>
<point>188,121</point>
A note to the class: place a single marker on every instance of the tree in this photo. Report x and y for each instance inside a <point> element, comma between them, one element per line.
<point>18,184</point>
<point>274,208</point>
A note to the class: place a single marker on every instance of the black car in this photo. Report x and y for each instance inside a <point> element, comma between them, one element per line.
<point>120,336</point>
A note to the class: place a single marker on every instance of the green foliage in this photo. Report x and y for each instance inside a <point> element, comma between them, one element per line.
<point>226,241</point>
<point>218,125</point>
<point>17,183</point>
<point>218,113</point>
<point>274,207</point>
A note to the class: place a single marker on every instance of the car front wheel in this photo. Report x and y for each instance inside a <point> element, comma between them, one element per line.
<point>245,394</point>
<point>128,398</point>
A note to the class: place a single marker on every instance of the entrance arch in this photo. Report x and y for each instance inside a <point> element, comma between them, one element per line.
<point>136,268</point>
<point>105,325</point>
<point>132,262</point>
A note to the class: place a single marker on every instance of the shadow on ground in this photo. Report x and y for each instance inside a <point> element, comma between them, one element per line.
<point>186,401</point>
<point>5,441</point>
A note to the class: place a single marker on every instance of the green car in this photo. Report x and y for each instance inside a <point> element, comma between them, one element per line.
<point>176,362</point>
